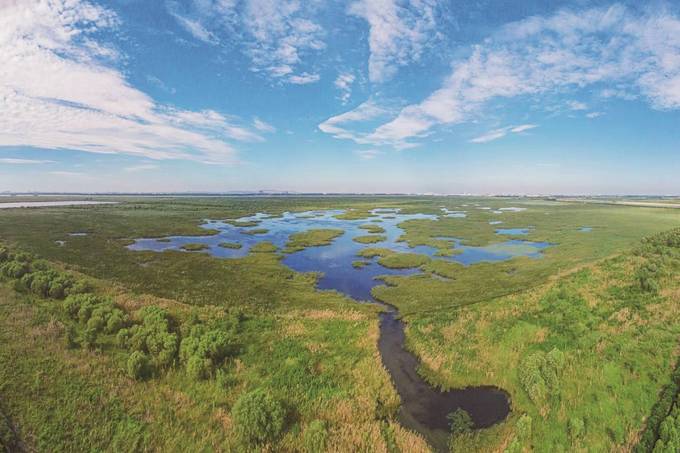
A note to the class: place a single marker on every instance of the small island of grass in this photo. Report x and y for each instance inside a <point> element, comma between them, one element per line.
<point>369,239</point>
<point>256,231</point>
<point>163,240</point>
<point>230,245</point>
<point>194,247</point>
<point>360,264</point>
<point>372,252</point>
<point>372,228</point>
<point>263,247</point>
<point>403,260</point>
<point>312,238</point>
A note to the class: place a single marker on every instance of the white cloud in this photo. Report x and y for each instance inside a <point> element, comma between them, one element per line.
<point>594,114</point>
<point>140,167</point>
<point>275,34</point>
<point>16,161</point>
<point>502,132</point>
<point>577,105</point>
<point>522,128</point>
<point>263,126</point>
<point>368,154</point>
<point>304,78</point>
<point>69,174</point>
<point>337,125</point>
<point>637,55</point>
<point>398,32</point>
<point>344,83</point>
<point>59,90</point>
<point>281,33</point>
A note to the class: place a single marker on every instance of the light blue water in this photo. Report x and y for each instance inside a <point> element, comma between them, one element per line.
<point>585,229</point>
<point>513,231</point>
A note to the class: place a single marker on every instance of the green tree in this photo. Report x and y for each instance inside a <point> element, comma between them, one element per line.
<point>138,366</point>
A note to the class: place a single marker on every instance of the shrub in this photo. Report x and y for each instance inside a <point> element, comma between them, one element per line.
<point>59,286</point>
<point>198,367</point>
<point>89,338</point>
<point>138,366</point>
<point>14,269</point>
<point>258,417</point>
<point>524,427</point>
<point>154,336</point>
<point>315,437</point>
<point>208,348</point>
<point>539,374</point>
<point>123,337</point>
<point>460,422</point>
<point>78,287</point>
<point>71,337</point>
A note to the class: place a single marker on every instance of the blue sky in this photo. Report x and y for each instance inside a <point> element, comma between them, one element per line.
<point>426,96</point>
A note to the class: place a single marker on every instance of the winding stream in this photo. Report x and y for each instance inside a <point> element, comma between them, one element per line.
<point>424,408</point>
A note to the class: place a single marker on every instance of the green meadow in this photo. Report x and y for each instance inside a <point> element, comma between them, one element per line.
<point>108,349</point>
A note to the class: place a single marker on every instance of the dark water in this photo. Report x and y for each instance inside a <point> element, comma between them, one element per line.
<point>424,408</point>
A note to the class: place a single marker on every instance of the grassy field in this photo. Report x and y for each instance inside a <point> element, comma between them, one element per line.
<point>316,353</point>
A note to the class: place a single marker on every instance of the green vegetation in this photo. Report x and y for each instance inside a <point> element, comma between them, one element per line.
<point>104,348</point>
<point>194,247</point>
<point>403,260</point>
<point>311,238</point>
<point>360,263</point>
<point>372,228</point>
<point>230,245</point>
<point>369,239</point>
<point>258,418</point>
<point>372,252</point>
<point>256,231</point>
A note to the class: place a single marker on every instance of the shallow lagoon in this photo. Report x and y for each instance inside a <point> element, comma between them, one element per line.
<point>335,260</point>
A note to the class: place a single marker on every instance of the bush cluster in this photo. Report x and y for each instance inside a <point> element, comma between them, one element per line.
<point>98,314</point>
<point>669,433</point>
<point>155,338</point>
<point>203,350</point>
<point>539,374</point>
<point>670,397</point>
<point>37,276</point>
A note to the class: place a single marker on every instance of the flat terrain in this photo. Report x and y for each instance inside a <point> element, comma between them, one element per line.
<point>600,340</point>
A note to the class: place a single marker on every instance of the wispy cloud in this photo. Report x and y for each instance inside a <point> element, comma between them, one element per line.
<point>69,174</point>
<point>274,34</point>
<point>140,167</point>
<point>304,78</point>
<point>263,126</point>
<point>344,83</point>
<point>62,91</point>
<point>572,49</point>
<point>17,161</point>
<point>339,126</point>
<point>368,154</point>
<point>577,105</point>
<point>398,33</point>
<point>592,115</point>
<point>502,132</point>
